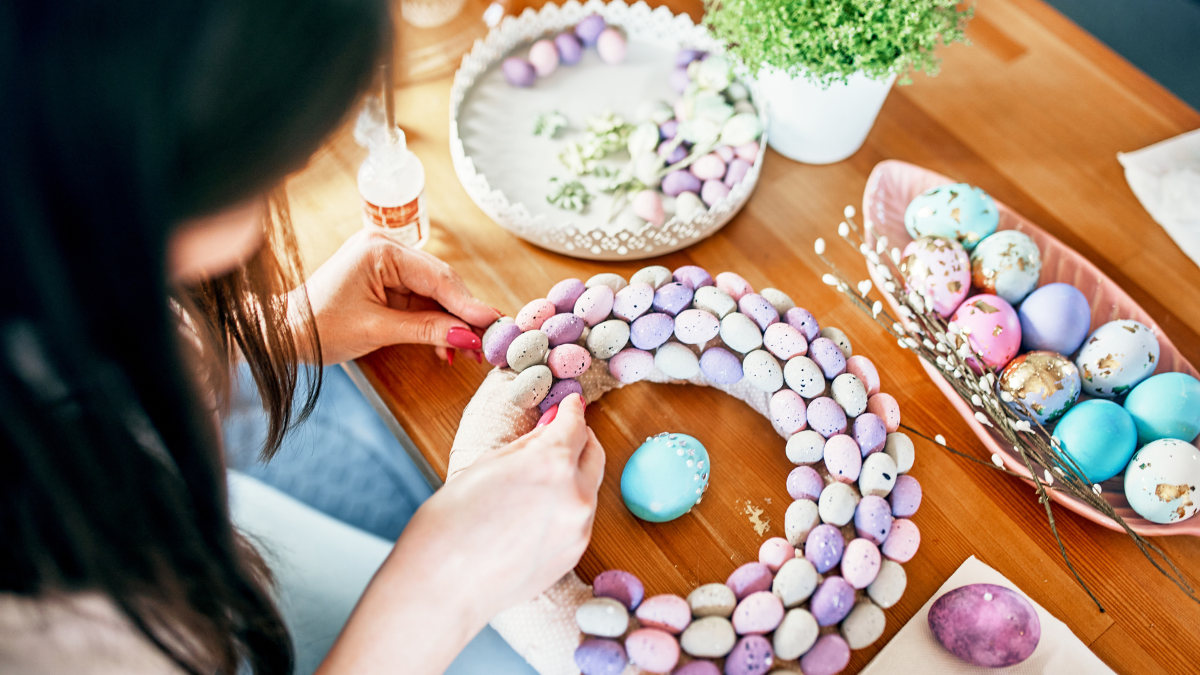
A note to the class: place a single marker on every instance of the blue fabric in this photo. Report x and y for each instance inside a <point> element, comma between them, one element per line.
<point>345,463</point>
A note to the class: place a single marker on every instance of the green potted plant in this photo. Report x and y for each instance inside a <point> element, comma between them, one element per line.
<point>826,66</point>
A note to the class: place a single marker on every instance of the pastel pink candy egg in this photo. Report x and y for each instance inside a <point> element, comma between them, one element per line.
<point>633,301</point>
<point>994,329</point>
<point>620,586</point>
<point>611,45</point>
<point>696,326</point>
<point>652,650</point>
<point>860,563</point>
<point>748,152</point>
<point>902,541</point>
<point>725,153</point>
<point>714,191</point>
<point>784,341</point>
<point>709,167</point>
<point>647,205</point>
<point>941,268</point>
<point>665,612</point>
<point>788,412</point>
<point>734,285</point>
<point>594,305</point>
<point>862,368</point>
<point>568,361</point>
<point>804,483</point>
<point>544,57</point>
<point>750,578</point>
<point>631,365</point>
<point>887,409</point>
<point>758,613</point>
<point>843,458</point>
<point>774,552</point>
<point>828,656</point>
<point>736,172</point>
<point>534,314</point>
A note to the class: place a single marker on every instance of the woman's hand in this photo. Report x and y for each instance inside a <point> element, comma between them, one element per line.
<point>498,534</point>
<point>374,292</point>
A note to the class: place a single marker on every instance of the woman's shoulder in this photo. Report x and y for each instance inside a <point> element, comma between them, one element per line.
<point>78,633</point>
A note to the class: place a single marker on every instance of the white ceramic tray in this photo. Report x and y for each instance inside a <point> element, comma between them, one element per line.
<point>506,169</point>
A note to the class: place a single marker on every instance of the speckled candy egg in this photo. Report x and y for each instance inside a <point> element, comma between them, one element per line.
<point>1099,435</point>
<point>829,655</point>
<point>699,667</point>
<point>905,497</point>
<point>1117,356</point>
<point>795,635</point>
<point>826,417</point>
<point>696,326</point>
<point>832,601</point>
<point>850,393</point>
<point>709,637</point>
<point>656,276</point>
<point>495,347</point>
<point>842,457</point>
<point>788,412</point>
<point>940,268</point>
<point>568,361</point>
<point>602,617</point>
<point>775,551</point>
<point>903,540</point>
<point>597,656</point>
<point>986,625</point>
<point>712,600</point>
<point>721,366</point>
<point>563,329</point>
<point>800,518</point>
<point>672,298</point>
<point>650,331</point>
<point>752,655</point>
<point>826,354</point>
<point>757,614</point>
<point>759,309</point>
<point>862,368</point>
<point>795,582</point>
<point>565,293</point>
<point>692,276</point>
<point>824,546</point>
<point>740,333</point>
<point>665,477</point>
<point>860,563</point>
<point>631,365</point>
<point>530,387</point>
<point>763,371</point>
<point>607,338</point>
<point>956,211</point>
<point>804,376</point>
<point>559,391</point>
<point>751,577</point>
<point>994,330</point>
<point>1162,480</point>
<point>633,301</point>
<point>620,586</point>
<point>528,349</point>
<point>677,361</point>
<point>805,447</point>
<point>652,650</point>
<point>870,433</point>
<point>1007,264</point>
<point>837,504</point>
<point>715,300</point>
<point>595,304</point>
<point>873,519</point>
<point>785,341</point>
<point>803,482</point>
<point>1166,405</point>
<point>665,612</point>
<point>1054,318</point>
<point>1039,385</point>
<point>803,320</point>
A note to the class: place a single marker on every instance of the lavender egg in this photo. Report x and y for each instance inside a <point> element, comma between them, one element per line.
<point>597,656</point>
<point>825,416</point>
<point>620,586</point>
<point>940,268</point>
<point>823,547</point>
<point>569,48</point>
<point>805,483</point>
<point>803,320</point>
<point>759,309</point>
<point>826,354</point>
<point>633,301</point>
<point>589,29</point>
<point>904,499</point>
<point>713,191</point>
<point>565,293</point>
<point>752,655</point>
<point>828,656</point>
<point>668,129</point>
<point>650,331</point>
<point>631,365</point>
<point>559,391</point>
<point>986,625</point>
<point>518,71</point>
<point>721,366</point>
<point>693,277</point>
<point>672,298</point>
<point>873,517</point>
<point>751,577</point>
<point>673,153</point>
<point>495,349</point>
<point>563,329</point>
<point>832,601</point>
<point>1054,318</point>
<point>696,326</point>
<point>680,180</point>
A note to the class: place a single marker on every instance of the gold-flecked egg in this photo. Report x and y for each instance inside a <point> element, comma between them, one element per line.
<point>1039,385</point>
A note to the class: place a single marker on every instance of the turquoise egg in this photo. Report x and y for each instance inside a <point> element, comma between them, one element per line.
<point>956,211</point>
<point>1166,405</point>
<point>1161,481</point>
<point>1099,435</point>
<point>665,477</point>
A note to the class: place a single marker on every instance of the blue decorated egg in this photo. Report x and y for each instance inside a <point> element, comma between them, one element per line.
<point>1099,435</point>
<point>1039,386</point>
<point>956,211</point>
<point>1007,264</point>
<point>1162,480</point>
<point>1117,356</point>
<point>665,477</point>
<point>1166,405</point>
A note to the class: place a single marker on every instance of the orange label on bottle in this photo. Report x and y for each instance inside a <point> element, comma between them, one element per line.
<point>392,216</point>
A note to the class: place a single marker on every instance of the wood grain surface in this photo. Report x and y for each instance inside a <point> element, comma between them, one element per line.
<point>1034,111</point>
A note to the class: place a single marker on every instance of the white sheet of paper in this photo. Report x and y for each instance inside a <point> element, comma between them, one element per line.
<point>1165,177</point>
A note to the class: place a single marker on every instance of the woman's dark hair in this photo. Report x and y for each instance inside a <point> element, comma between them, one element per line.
<point>118,121</point>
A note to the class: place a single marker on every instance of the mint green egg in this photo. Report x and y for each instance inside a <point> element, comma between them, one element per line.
<point>956,211</point>
<point>1166,405</point>
<point>665,477</point>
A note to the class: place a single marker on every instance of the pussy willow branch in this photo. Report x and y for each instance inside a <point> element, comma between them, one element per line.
<point>948,348</point>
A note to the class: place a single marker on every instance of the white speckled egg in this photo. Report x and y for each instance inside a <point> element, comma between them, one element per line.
<point>614,281</point>
<point>1116,356</point>
<point>849,393</point>
<point>528,349</point>
<point>655,275</point>
<point>1162,479</point>
<point>530,387</point>
<point>1007,264</point>
<point>956,211</point>
<point>806,447</point>
<point>778,299</point>
<point>740,333</point>
<point>714,300</point>
<point>763,371</point>
<point>839,338</point>
<point>607,338</point>
<point>878,475</point>
<point>677,361</point>
<point>804,376</point>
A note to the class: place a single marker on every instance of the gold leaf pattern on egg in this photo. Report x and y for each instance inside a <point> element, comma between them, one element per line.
<point>1131,329</point>
<point>954,286</point>
<point>984,307</point>
<point>997,331</point>
<point>956,214</point>
<point>1109,363</point>
<point>1169,493</point>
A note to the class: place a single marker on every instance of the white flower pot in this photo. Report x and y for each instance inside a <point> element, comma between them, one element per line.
<point>817,125</point>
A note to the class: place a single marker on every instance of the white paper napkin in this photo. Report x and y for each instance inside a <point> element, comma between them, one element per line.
<point>914,649</point>
<point>1165,177</point>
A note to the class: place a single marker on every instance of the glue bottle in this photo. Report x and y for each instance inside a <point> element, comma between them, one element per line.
<point>391,183</point>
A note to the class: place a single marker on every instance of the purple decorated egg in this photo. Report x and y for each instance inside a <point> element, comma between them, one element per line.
<point>562,329</point>
<point>495,350</point>
<point>668,129</point>
<point>633,301</point>
<point>652,650</point>
<point>665,612</point>
<point>696,326</point>
<point>860,563</point>
<point>752,655</point>
<point>693,277</point>
<point>749,578</point>
<point>734,285</point>
<point>518,71</point>
<point>569,48</point>
<point>564,294</point>
<point>829,655</point>
<point>902,541</point>
<point>680,180</point>
<point>672,298</point>
<point>805,483</point>
<point>757,614</point>
<point>870,433</point>
<point>620,586</point>
<point>940,268</point>
<point>832,601</point>
<point>1054,318</point>
<point>597,656</point>
<point>789,413</point>
<point>905,497</point>
<point>824,546</point>
<point>873,519</point>
<point>828,356</point>
<point>594,305</point>
<point>986,625</point>
<point>721,365</point>
<point>650,331</point>
<point>736,172</point>
<point>761,311</point>
<point>826,416</point>
<point>631,365</point>
<point>803,320</point>
<point>590,28</point>
<point>568,361</point>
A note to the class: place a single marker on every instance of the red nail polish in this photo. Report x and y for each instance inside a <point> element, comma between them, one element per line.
<point>463,339</point>
<point>478,357</point>
<point>450,357</point>
<point>547,417</point>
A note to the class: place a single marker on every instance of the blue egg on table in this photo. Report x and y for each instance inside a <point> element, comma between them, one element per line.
<point>1166,405</point>
<point>1116,357</point>
<point>1054,318</point>
<point>1039,386</point>
<point>956,211</point>
<point>1099,435</point>
<point>1007,264</point>
<point>665,477</point>
<point>1162,480</point>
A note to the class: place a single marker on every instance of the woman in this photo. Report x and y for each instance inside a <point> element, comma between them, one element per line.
<point>144,249</point>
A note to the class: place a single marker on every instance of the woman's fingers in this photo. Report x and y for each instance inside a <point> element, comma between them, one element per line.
<point>591,468</point>
<point>439,329</point>
<point>425,275</point>
<point>568,430</point>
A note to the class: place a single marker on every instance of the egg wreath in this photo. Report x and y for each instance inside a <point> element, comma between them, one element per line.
<point>814,596</point>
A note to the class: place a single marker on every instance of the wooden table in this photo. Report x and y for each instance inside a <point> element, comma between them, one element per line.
<point>1034,112</point>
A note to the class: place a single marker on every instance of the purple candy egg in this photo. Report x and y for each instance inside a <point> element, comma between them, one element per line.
<point>590,28</point>
<point>721,365</point>
<point>565,293</point>
<point>597,656</point>
<point>631,365</point>
<point>496,349</point>
<point>559,391</point>
<point>749,578</point>
<point>805,483</point>
<point>832,601</point>
<point>826,417</point>
<point>870,433</point>
<point>563,329</point>
<point>620,586</point>
<point>693,277</point>
<point>824,547</point>
<point>713,191</point>
<point>569,48</point>
<point>650,331</point>
<point>679,181</point>
<point>905,497</point>
<point>676,154</point>
<point>736,172</point>
<point>679,80</point>
<point>803,320</point>
<point>986,625</point>
<point>873,519</point>
<point>518,71</point>
<point>752,655</point>
<point>828,356</point>
<point>698,668</point>
<point>672,298</point>
<point>829,655</point>
<point>686,56</point>
<point>668,129</point>
<point>759,309</point>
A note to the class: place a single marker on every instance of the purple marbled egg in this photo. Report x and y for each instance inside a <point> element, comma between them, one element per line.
<point>631,365</point>
<point>749,578</point>
<point>736,172</point>
<point>823,547</point>
<point>789,413</point>
<point>672,298</point>
<point>563,329</point>
<point>589,29</point>
<point>679,181</point>
<point>518,72</point>
<point>752,655</point>
<point>721,365</point>
<point>673,153</point>
<point>650,331</point>
<point>569,48</point>
<point>803,320</point>
<point>873,519</point>
<point>696,326</point>
<point>832,601</point>
<point>693,277</point>
<point>829,655</point>
<point>870,433</point>
<point>905,497</point>
<point>986,625</point>
<point>620,586</point>
<point>496,349</point>
<point>805,483</point>
<point>597,656</point>
<point>826,416</point>
<point>559,391</point>
<point>633,301</point>
<point>828,356</point>
<point>759,309</point>
<point>564,294</point>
